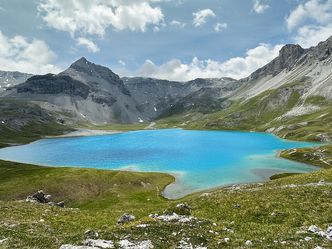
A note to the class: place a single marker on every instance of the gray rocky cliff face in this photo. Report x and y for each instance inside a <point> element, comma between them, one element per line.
<point>10,79</point>
<point>54,84</point>
<point>92,92</point>
<point>291,66</point>
<point>288,57</point>
<point>161,97</point>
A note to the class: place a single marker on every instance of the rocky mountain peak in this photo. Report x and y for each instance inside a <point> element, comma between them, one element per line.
<point>289,54</point>
<point>82,64</point>
<point>288,57</point>
<point>323,50</point>
<point>85,70</point>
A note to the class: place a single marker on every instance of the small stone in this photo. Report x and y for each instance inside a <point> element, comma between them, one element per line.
<point>104,244</point>
<point>90,234</point>
<point>227,240</point>
<point>248,243</point>
<point>329,233</point>
<point>319,247</point>
<point>126,218</point>
<point>321,182</point>
<point>126,244</point>
<point>142,225</point>
<point>76,247</point>
<point>48,198</point>
<point>314,229</point>
<point>31,199</point>
<point>61,204</point>
<point>184,206</point>
<point>307,238</point>
<point>2,241</point>
<point>181,208</point>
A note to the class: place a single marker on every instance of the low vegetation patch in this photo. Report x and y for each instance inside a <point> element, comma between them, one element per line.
<point>318,156</point>
<point>268,215</point>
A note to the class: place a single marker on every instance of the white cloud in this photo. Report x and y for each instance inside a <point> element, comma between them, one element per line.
<point>88,18</point>
<point>319,11</point>
<point>218,27</point>
<point>122,63</point>
<point>260,7</point>
<point>201,16</point>
<point>90,45</point>
<point>311,35</point>
<point>237,67</point>
<point>95,16</point>
<point>20,54</point>
<point>313,22</point>
<point>176,23</point>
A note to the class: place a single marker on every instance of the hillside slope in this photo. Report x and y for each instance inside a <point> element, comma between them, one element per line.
<point>291,97</point>
<point>276,214</point>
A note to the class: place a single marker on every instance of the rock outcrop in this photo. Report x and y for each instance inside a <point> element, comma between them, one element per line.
<point>126,218</point>
<point>40,197</point>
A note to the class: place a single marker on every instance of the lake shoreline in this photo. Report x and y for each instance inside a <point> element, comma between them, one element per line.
<point>91,132</point>
<point>86,133</point>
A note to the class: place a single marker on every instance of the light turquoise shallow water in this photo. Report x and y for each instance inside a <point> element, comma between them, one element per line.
<point>199,159</point>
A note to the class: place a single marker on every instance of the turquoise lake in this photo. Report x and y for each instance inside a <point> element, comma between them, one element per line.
<point>199,159</point>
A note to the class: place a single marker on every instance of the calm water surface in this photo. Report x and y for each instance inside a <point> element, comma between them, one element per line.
<point>199,159</point>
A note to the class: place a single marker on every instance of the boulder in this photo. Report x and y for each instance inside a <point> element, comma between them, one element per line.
<point>40,196</point>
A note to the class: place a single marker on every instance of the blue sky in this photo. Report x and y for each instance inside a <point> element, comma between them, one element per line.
<point>173,39</point>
